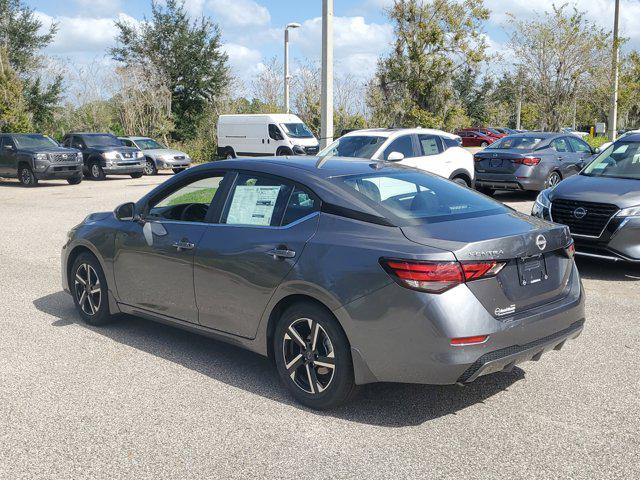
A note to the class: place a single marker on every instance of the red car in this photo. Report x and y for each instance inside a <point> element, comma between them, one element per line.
<point>475,138</point>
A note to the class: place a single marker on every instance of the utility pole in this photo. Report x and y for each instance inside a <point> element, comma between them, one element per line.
<point>519,108</point>
<point>575,110</point>
<point>287,77</point>
<point>326,104</point>
<point>613,114</point>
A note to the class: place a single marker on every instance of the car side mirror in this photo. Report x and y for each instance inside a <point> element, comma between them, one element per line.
<point>395,157</point>
<point>125,212</point>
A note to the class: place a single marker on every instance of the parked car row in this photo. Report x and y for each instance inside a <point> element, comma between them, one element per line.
<point>31,157</point>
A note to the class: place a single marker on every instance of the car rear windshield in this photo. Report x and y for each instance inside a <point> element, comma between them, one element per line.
<point>296,130</point>
<point>34,141</point>
<point>419,197</point>
<point>518,143</point>
<point>148,144</point>
<point>620,160</point>
<point>362,146</point>
<point>101,140</point>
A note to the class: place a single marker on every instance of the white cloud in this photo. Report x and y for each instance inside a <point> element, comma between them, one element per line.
<point>599,12</point>
<point>245,62</point>
<point>357,44</point>
<point>241,13</point>
<point>82,34</point>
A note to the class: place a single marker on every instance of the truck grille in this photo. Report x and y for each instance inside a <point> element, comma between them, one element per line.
<point>62,157</point>
<point>583,218</point>
<point>179,157</point>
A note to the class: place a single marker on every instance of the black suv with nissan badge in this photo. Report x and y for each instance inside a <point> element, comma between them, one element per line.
<point>30,157</point>
<point>104,154</point>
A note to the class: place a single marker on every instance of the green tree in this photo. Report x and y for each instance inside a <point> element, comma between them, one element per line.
<point>561,52</point>
<point>23,36</point>
<point>13,112</point>
<point>186,53</point>
<point>434,40</point>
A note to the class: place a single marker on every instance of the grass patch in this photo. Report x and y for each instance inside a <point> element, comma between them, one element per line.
<point>596,141</point>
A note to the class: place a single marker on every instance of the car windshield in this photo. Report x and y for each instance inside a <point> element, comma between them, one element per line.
<point>101,140</point>
<point>361,146</point>
<point>296,130</point>
<point>148,144</point>
<point>34,141</point>
<point>420,197</point>
<point>620,160</point>
<point>518,143</point>
<point>493,130</point>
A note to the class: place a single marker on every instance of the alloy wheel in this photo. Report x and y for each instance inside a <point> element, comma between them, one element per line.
<point>26,177</point>
<point>149,168</point>
<point>95,170</point>
<point>553,180</point>
<point>309,356</point>
<point>87,289</point>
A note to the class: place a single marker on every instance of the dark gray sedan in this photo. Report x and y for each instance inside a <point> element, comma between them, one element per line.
<point>601,206</point>
<point>343,272</point>
<point>530,161</point>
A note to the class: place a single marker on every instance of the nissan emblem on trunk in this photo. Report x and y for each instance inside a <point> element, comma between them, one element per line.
<point>541,242</point>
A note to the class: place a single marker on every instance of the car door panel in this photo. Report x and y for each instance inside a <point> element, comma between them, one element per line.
<point>152,272</point>
<point>236,271</point>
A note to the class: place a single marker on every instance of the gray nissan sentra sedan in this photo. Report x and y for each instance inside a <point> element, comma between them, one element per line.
<point>343,272</point>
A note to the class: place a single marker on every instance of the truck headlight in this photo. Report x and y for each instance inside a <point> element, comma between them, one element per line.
<point>42,157</point>
<point>629,212</point>
<point>299,150</point>
<point>111,155</point>
<point>79,157</point>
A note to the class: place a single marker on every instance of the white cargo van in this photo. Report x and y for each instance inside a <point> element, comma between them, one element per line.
<point>264,134</point>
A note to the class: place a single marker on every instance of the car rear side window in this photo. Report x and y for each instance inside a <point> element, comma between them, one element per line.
<point>430,145</point>
<point>420,197</point>
<point>301,203</point>
<point>257,200</point>
<point>403,145</point>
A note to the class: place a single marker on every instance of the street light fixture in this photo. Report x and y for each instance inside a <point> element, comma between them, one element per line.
<point>287,77</point>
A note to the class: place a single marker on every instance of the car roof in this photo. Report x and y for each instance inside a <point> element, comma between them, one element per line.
<point>131,137</point>
<point>633,137</point>
<point>90,133</point>
<point>390,132</point>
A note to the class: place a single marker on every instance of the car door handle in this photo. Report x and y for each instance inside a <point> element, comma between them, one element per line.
<point>184,245</point>
<point>281,253</point>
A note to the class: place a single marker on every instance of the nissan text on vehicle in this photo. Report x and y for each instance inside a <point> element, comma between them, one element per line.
<point>268,134</point>
<point>601,205</point>
<point>342,271</point>
<point>433,151</point>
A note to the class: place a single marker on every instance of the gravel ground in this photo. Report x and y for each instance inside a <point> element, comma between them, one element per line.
<point>141,400</point>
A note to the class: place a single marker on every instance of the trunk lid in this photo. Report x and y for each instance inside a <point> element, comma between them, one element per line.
<point>537,269</point>
<point>500,160</point>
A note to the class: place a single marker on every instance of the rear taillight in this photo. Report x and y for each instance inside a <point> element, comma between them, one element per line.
<point>571,250</point>
<point>469,340</point>
<point>528,161</point>
<point>437,277</point>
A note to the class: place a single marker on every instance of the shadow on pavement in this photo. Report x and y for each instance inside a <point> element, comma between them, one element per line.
<point>515,196</point>
<point>383,404</point>
<point>594,269</point>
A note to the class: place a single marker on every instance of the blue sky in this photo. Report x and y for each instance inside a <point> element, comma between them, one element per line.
<point>252,29</point>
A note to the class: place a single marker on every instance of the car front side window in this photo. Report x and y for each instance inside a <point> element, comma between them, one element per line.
<point>189,203</point>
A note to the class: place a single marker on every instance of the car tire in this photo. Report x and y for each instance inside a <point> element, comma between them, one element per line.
<point>136,175</point>
<point>96,172</point>
<point>552,180</point>
<point>178,170</point>
<point>27,177</point>
<point>484,144</point>
<point>318,376</point>
<point>283,151</point>
<point>89,290</point>
<point>229,154</point>
<point>150,167</point>
<point>75,180</point>
<point>487,191</point>
<point>461,181</point>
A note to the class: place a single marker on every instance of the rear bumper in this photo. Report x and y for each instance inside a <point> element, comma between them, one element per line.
<point>404,336</point>
<point>497,181</point>
<point>506,358</point>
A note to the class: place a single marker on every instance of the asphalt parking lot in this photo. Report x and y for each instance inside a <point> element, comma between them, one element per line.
<point>141,400</point>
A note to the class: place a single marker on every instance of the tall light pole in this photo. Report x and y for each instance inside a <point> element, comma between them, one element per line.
<point>326,103</point>
<point>287,77</point>
<point>613,114</point>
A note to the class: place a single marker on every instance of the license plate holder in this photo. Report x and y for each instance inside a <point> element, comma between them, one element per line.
<point>532,270</point>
